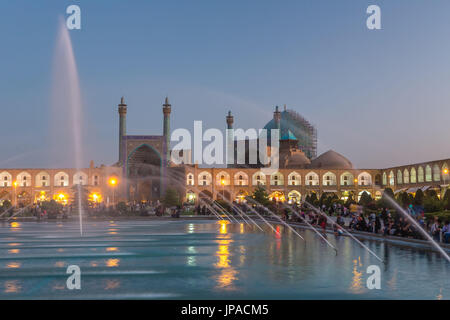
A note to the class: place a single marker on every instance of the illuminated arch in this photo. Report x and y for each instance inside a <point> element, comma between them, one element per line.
<point>240,179</point>
<point>364,179</point>
<point>5,179</point>
<point>276,179</point>
<point>294,179</point>
<point>259,178</point>
<point>61,179</point>
<point>347,179</point>
<point>312,179</point>
<point>329,179</point>
<point>204,178</point>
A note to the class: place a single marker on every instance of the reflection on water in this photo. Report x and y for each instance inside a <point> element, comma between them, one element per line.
<point>12,286</point>
<point>112,262</point>
<point>356,285</point>
<point>13,265</point>
<point>112,284</point>
<point>228,274</point>
<point>15,225</point>
<point>206,259</point>
<point>14,244</point>
<point>191,260</point>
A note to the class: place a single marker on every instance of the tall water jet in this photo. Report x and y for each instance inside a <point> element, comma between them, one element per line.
<point>66,103</point>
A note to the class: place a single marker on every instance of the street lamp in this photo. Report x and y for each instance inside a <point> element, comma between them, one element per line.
<point>15,193</point>
<point>113,182</point>
<point>222,182</point>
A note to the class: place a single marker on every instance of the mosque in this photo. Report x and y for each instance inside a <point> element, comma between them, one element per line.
<point>144,171</point>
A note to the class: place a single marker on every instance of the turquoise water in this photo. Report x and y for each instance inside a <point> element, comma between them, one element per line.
<point>205,260</point>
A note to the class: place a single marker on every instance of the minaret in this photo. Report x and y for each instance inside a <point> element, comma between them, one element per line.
<point>230,139</point>
<point>167,108</point>
<point>230,120</point>
<point>277,118</point>
<point>122,128</point>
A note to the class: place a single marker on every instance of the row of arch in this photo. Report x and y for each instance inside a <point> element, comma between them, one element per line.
<point>43,179</point>
<point>292,196</point>
<point>429,174</point>
<point>293,179</point>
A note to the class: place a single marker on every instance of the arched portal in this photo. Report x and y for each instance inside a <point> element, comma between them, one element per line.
<point>144,174</point>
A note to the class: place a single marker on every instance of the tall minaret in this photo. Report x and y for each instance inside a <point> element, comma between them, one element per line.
<point>230,139</point>
<point>122,128</point>
<point>277,118</point>
<point>167,108</point>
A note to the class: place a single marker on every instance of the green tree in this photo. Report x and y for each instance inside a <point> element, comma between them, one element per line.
<point>261,196</point>
<point>171,198</point>
<point>418,198</point>
<point>446,200</point>
<point>388,195</point>
<point>365,199</point>
<point>350,200</point>
<point>404,199</point>
<point>313,199</point>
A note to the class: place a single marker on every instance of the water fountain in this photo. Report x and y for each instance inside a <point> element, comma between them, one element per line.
<point>66,97</point>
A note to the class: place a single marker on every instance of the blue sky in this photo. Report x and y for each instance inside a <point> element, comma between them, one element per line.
<point>380,97</point>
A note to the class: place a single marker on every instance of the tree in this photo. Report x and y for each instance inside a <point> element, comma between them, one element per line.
<point>6,205</point>
<point>313,199</point>
<point>350,200</point>
<point>418,198</point>
<point>404,199</point>
<point>260,196</point>
<point>388,196</point>
<point>446,199</point>
<point>171,198</point>
<point>365,199</point>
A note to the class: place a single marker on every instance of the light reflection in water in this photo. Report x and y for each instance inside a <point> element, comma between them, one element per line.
<point>228,274</point>
<point>191,260</point>
<point>112,249</point>
<point>13,250</point>
<point>112,284</point>
<point>190,228</point>
<point>112,263</point>
<point>59,264</point>
<point>14,244</point>
<point>12,286</point>
<point>439,296</point>
<point>15,225</point>
<point>356,285</point>
<point>13,265</point>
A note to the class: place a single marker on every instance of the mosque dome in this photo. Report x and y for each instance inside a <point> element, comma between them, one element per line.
<point>331,160</point>
<point>297,160</point>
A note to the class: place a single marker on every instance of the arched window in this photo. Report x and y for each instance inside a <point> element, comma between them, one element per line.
<point>24,179</point>
<point>420,177</point>
<point>276,179</point>
<point>428,174</point>
<point>80,178</point>
<point>259,178</point>
<point>384,178</point>
<point>347,179</point>
<point>61,179</point>
<point>413,177</point>
<point>312,179</point>
<point>436,173</point>
<point>391,178</point>
<point>294,179</point>
<point>399,177</point>
<point>42,179</point>
<point>204,178</point>
<point>190,179</point>
<point>329,179</point>
<point>223,179</point>
<point>5,179</point>
<point>364,179</point>
<point>406,176</point>
<point>241,179</point>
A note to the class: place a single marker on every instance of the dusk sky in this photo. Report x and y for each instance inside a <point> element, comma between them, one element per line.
<point>379,97</point>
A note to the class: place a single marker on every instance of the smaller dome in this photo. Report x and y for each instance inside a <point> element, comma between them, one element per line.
<point>331,160</point>
<point>297,160</point>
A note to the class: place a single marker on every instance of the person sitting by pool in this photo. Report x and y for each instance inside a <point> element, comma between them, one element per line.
<point>446,232</point>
